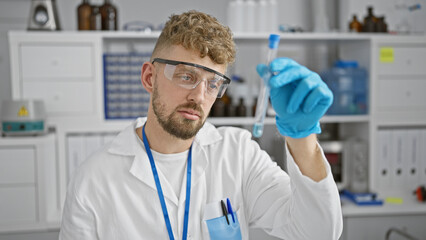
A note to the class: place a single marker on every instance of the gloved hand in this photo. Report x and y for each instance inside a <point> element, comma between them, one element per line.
<point>299,97</point>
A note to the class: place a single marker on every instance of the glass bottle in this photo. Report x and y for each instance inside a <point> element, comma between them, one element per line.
<point>109,16</point>
<point>241,110</point>
<point>227,103</point>
<point>84,10</point>
<point>355,25</point>
<point>370,21</point>
<point>95,19</point>
<point>218,109</point>
<point>381,25</point>
<point>253,107</point>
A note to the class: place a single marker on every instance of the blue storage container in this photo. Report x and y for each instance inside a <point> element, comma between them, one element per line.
<point>349,84</point>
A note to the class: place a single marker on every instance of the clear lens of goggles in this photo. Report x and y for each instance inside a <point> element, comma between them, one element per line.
<point>189,76</point>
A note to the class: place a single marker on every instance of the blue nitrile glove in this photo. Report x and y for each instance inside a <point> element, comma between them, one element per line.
<point>299,97</point>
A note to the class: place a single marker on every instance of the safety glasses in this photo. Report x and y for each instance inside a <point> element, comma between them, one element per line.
<point>190,75</point>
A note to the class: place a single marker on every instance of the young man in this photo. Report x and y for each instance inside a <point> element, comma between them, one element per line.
<point>164,176</point>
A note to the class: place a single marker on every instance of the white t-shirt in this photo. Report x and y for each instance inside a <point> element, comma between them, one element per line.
<point>173,167</point>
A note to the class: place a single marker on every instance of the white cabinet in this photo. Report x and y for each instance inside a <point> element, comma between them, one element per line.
<point>17,165</point>
<point>18,206</point>
<point>399,98</point>
<point>402,94</point>
<point>62,98</point>
<point>376,227</point>
<point>17,184</point>
<point>401,58</point>
<point>59,70</point>
<point>28,183</point>
<point>59,61</point>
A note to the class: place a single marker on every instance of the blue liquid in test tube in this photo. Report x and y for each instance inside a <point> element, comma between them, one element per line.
<point>263,99</point>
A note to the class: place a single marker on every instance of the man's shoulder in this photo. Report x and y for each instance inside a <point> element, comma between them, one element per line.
<point>101,164</point>
<point>233,136</point>
<point>234,132</point>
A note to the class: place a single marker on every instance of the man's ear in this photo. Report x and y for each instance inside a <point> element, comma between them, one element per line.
<point>147,78</point>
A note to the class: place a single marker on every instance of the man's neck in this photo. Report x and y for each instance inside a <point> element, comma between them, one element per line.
<point>161,141</point>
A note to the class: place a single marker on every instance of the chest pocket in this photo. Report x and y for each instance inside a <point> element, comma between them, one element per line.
<point>218,228</point>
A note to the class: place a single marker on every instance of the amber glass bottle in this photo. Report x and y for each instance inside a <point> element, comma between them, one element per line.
<point>370,21</point>
<point>355,25</point>
<point>381,26</point>
<point>109,16</point>
<point>241,110</point>
<point>84,10</point>
<point>95,19</point>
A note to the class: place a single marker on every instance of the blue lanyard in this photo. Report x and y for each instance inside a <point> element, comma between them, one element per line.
<point>160,191</point>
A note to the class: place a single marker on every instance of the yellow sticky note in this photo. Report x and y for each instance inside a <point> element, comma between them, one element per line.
<point>386,55</point>
<point>394,200</point>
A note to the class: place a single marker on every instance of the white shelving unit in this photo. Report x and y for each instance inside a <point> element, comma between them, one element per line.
<point>75,101</point>
<point>28,186</point>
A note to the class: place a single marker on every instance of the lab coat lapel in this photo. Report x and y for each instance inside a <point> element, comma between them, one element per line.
<point>199,165</point>
<point>127,143</point>
<point>141,169</point>
<point>199,162</point>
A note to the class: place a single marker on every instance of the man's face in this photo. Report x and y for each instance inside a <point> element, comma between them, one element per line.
<point>182,112</point>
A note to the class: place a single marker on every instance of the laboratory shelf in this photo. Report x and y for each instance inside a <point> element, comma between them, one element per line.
<point>409,206</point>
<point>54,226</point>
<point>252,35</point>
<point>238,120</point>
<point>304,36</point>
<point>345,118</point>
<point>112,125</point>
<point>237,35</point>
<point>271,120</point>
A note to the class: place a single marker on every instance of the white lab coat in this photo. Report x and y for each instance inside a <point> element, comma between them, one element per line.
<point>113,193</point>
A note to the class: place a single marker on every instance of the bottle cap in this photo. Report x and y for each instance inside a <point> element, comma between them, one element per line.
<point>274,40</point>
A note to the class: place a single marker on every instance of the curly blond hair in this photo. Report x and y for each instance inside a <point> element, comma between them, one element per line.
<point>200,32</point>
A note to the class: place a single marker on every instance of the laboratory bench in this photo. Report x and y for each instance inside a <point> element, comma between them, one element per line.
<point>54,66</point>
<point>373,222</point>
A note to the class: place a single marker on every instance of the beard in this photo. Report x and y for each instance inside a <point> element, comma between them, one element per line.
<point>174,124</point>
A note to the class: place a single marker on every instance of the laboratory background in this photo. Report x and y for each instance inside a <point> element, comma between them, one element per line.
<point>70,81</point>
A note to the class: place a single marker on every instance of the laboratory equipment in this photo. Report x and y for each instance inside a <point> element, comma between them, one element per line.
<point>348,82</point>
<point>43,15</point>
<point>381,25</point>
<point>263,99</point>
<point>320,15</point>
<point>334,153</point>
<point>84,10</point>
<point>109,16</point>
<point>241,109</point>
<point>420,193</point>
<point>402,233</point>
<point>355,25</point>
<point>95,19</point>
<point>23,117</point>
<point>125,98</point>
<point>370,21</point>
<point>362,199</point>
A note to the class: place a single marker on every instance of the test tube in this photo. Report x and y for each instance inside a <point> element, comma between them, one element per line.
<point>263,99</point>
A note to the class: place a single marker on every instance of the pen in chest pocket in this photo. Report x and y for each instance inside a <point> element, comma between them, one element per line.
<point>228,204</point>
<point>225,211</point>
